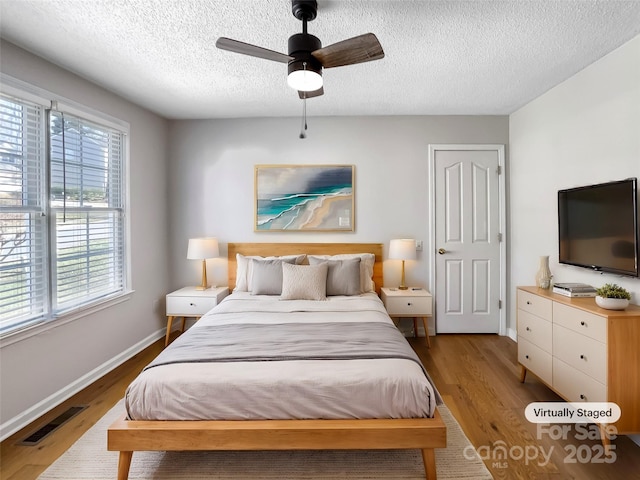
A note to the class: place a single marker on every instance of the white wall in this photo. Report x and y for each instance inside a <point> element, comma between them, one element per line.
<point>212,179</point>
<point>585,130</point>
<point>39,371</point>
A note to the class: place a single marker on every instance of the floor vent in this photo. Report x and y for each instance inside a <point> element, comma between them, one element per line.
<point>45,430</point>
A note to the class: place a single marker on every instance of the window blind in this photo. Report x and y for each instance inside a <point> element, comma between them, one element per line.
<point>62,212</point>
<point>23,231</point>
<point>86,201</point>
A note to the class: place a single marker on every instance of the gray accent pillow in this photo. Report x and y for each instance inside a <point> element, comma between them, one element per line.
<point>267,276</point>
<point>244,272</point>
<point>343,276</point>
<point>304,282</point>
<point>367,261</point>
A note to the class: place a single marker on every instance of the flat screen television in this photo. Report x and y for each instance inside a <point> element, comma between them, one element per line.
<point>598,227</point>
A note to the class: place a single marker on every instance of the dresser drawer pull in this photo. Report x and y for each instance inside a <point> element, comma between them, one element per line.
<point>409,304</point>
<point>582,397</point>
<point>582,323</point>
<point>528,329</point>
<point>192,304</point>
<point>528,302</point>
<point>581,357</point>
<point>527,357</point>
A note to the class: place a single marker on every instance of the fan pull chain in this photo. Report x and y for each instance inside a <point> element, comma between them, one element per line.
<point>303,127</point>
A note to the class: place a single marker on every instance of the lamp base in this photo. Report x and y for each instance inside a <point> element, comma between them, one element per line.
<point>203,285</point>
<point>402,284</point>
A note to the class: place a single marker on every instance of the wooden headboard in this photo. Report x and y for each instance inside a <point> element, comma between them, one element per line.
<point>278,249</point>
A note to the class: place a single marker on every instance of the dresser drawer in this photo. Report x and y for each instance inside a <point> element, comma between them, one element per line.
<point>535,359</point>
<point>541,307</point>
<point>409,306</point>
<point>534,329</point>
<point>582,352</point>
<point>586,323</point>
<point>575,386</point>
<point>189,306</point>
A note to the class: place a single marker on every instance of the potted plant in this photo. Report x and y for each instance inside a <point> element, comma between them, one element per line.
<point>612,297</point>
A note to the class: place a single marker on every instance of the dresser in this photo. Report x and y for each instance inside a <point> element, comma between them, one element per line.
<point>582,352</point>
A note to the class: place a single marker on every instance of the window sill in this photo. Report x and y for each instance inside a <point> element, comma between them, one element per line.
<point>28,332</point>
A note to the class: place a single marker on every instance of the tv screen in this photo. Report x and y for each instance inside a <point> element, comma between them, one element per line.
<point>598,227</point>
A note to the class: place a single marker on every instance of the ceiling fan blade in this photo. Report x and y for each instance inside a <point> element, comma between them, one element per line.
<point>360,49</point>
<point>315,93</point>
<point>224,43</point>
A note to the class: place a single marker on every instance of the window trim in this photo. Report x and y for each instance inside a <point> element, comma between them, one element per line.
<point>20,89</point>
<point>29,331</point>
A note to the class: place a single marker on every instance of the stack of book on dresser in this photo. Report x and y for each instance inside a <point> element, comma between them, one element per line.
<point>574,289</point>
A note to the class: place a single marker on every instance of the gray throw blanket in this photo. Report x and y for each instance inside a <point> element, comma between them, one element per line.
<point>289,341</point>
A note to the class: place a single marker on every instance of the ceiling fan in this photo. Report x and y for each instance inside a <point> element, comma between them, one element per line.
<point>307,57</point>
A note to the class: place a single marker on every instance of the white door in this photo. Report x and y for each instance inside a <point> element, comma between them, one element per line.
<point>468,257</point>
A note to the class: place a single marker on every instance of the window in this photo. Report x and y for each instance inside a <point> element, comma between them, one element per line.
<point>62,213</point>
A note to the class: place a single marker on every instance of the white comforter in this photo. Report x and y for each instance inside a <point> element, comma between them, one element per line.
<point>296,389</point>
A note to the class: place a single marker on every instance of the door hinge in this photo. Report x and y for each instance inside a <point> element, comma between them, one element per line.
<point>500,237</point>
<point>499,304</point>
<point>499,170</point>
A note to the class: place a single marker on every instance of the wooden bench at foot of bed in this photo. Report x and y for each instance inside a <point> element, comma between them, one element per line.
<point>127,436</point>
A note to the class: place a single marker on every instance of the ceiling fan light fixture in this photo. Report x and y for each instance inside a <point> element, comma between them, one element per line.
<point>305,80</point>
<point>307,58</point>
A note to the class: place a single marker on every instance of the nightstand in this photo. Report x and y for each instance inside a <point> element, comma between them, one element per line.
<point>409,303</point>
<point>189,302</point>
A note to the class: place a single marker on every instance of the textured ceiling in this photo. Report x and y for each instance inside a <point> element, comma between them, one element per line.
<point>442,57</point>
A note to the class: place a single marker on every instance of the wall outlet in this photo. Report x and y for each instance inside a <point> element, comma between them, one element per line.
<point>418,245</point>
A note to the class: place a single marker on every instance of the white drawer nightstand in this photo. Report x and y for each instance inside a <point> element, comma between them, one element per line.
<point>189,302</point>
<point>409,303</point>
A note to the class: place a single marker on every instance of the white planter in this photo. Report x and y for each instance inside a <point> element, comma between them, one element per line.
<point>612,303</point>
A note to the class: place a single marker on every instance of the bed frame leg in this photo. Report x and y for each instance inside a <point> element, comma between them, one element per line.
<point>429,458</point>
<point>124,462</point>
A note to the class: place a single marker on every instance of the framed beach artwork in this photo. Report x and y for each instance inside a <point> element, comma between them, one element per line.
<point>309,198</point>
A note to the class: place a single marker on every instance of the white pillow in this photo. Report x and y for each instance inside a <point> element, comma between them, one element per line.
<point>244,272</point>
<point>366,267</point>
<point>304,282</point>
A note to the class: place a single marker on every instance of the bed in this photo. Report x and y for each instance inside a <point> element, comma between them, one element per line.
<point>258,426</point>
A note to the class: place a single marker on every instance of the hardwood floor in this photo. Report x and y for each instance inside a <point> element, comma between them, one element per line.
<point>478,377</point>
<point>19,462</point>
<point>476,374</point>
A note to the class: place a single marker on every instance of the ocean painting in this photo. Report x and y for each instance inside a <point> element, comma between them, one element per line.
<point>304,198</point>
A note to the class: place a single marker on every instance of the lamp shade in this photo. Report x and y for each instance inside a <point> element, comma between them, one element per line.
<point>203,248</point>
<point>402,249</point>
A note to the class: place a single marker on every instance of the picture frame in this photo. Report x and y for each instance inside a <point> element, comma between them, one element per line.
<point>304,198</point>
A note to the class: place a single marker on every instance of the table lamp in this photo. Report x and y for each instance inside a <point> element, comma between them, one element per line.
<point>201,249</point>
<point>402,249</point>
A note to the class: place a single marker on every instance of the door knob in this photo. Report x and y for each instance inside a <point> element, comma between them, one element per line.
<point>442,251</point>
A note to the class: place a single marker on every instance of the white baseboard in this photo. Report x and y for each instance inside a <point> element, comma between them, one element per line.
<point>20,421</point>
<point>512,334</point>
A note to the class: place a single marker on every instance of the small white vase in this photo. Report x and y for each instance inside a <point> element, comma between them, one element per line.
<point>612,303</point>
<point>543,276</point>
